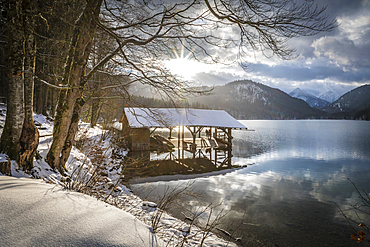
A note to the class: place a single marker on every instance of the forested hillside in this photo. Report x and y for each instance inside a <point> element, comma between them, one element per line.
<point>250,100</point>
<point>351,104</point>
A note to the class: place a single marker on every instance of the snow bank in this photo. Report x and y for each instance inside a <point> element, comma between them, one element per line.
<point>37,214</point>
<point>96,148</point>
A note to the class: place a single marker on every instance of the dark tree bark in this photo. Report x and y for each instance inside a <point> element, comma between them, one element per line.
<point>41,95</point>
<point>73,77</point>
<point>52,101</point>
<point>14,117</point>
<point>45,97</point>
<point>20,135</point>
<point>95,112</point>
<point>38,97</point>
<point>70,140</point>
<point>3,52</point>
<point>29,139</point>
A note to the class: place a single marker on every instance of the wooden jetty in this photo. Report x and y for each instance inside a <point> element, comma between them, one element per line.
<point>204,134</point>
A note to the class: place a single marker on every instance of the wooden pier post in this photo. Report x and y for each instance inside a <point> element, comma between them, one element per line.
<point>229,148</point>
<point>178,144</point>
<point>182,141</point>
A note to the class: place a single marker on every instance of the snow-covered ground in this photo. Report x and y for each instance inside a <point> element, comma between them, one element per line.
<point>98,150</point>
<point>34,213</point>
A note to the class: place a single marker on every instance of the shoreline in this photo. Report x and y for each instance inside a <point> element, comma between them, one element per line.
<point>163,178</point>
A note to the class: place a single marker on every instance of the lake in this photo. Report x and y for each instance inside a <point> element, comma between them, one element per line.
<point>295,176</point>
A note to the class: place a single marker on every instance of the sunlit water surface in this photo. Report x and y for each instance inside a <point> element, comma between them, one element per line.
<point>297,171</point>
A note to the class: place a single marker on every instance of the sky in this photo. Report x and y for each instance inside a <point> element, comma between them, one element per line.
<point>338,60</point>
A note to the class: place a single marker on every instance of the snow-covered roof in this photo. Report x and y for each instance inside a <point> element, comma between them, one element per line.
<point>171,117</point>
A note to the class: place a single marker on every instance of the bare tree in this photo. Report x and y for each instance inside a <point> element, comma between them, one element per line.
<point>53,34</point>
<point>3,50</point>
<point>75,79</point>
<point>145,32</point>
<point>20,136</point>
<point>14,120</point>
<point>29,139</point>
<point>142,34</point>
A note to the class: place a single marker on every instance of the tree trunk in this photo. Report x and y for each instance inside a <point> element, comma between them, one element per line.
<point>14,115</point>
<point>52,101</point>
<point>45,98</point>
<point>78,57</point>
<point>38,97</point>
<point>95,110</point>
<point>70,140</point>
<point>29,139</point>
<point>62,122</point>
<point>41,94</point>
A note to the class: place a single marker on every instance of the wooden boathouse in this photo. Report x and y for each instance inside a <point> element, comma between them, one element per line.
<point>195,131</point>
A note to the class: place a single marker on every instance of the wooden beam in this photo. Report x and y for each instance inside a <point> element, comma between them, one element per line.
<point>182,141</point>
<point>230,146</point>
<point>178,144</point>
<point>200,131</point>
<point>193,145</point>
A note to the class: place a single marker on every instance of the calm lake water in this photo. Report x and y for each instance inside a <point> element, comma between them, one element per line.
<point>296,171</point>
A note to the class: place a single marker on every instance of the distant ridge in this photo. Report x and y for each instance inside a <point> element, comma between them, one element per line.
<point>246,99</point>
<point>312,100</point>
<point>329,96</point>
<point>349,104</point>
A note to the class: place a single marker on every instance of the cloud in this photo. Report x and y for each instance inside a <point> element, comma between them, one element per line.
<point>344,7</point>
<point>337,60</point>
<point>346,53</point>
<point>216,78</point>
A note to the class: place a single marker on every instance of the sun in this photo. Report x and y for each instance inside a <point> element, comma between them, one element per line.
<point>184,66</point>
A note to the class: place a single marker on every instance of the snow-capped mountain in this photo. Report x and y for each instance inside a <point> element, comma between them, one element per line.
<point>246,99</point>
<point>329,96</point>
<point>311,99</point>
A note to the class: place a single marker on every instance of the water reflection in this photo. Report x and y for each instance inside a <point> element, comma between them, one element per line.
<point>296,171</point>
<point>315,139</point>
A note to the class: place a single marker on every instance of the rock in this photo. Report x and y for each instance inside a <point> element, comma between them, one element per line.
<point>149,205</point>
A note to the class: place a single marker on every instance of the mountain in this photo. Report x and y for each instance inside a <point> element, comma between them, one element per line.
<point>246,99</point>
<point>349,104</point>
<point>329,96</point>
<point>250,100</point>
<point>312,100</point>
